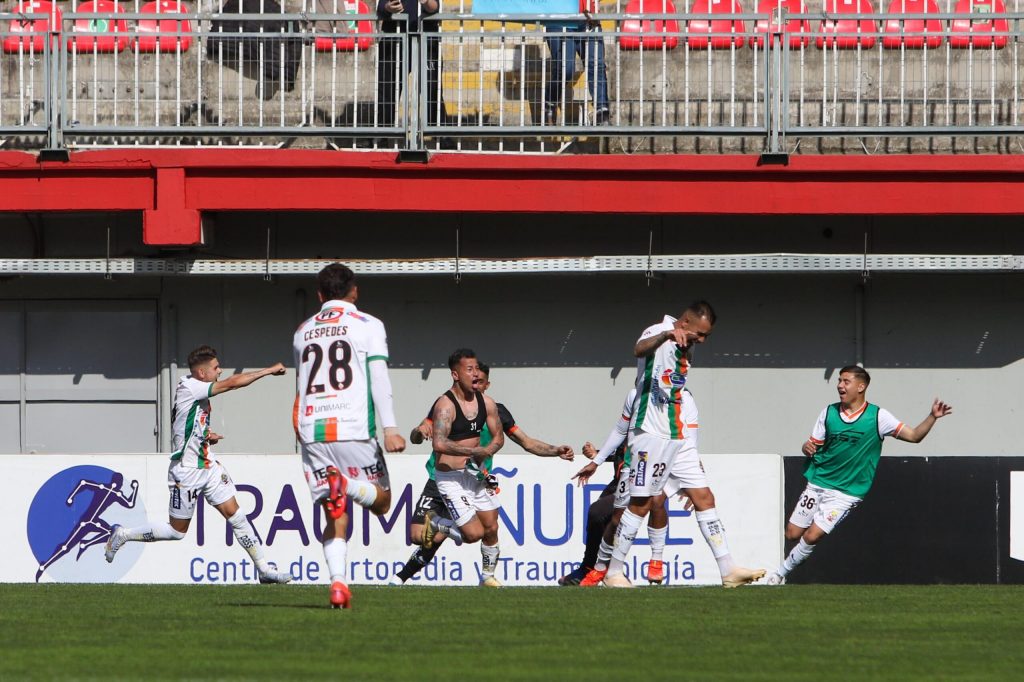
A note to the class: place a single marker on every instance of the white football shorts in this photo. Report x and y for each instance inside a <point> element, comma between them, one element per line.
<point>464,494</point>
<point>187,484</point>
<point>825,508</point>
<point>651,461</point>
<point>356,459</point>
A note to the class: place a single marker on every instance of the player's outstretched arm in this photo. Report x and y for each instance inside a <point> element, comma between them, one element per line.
<point>539,447</point>
<point>245,378</point>
<point>421,432</point>
<point>915,435</point>
<point>584,474</point>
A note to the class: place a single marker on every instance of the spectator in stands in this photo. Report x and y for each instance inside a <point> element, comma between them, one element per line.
<point>390,59</point>
<point>565,41</point>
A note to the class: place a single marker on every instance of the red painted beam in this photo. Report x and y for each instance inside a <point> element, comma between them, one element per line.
<point>173,185</point>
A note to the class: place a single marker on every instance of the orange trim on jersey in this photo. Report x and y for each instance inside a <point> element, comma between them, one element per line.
<point>515,427</point>
<point>896,431</point>
<point>816,441</point>
<point>692,426</point>
<point>331,430</point>
<point>295,415</point>
<point>851,415</point>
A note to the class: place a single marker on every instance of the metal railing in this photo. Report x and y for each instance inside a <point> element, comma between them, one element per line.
<point>505,82</point>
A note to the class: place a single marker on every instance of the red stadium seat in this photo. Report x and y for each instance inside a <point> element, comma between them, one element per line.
<point>33,33</point>
<point>99,34</point>
<point>634,27</point>
<point>894,38</point>
<point>796,29</point>
<point>176,34</point>
<point>361,31</point>
<point>847,34</point>
<point>698,38</point>
<point>978,32</point>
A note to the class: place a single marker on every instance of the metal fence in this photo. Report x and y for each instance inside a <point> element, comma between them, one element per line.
<point>106,72</point>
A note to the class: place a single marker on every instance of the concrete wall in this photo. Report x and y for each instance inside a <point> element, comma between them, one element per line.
<point>560,346</point>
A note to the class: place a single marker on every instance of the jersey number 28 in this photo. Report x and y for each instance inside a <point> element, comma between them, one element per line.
<point>339,372</point>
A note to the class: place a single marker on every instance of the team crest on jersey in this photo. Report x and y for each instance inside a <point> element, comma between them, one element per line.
<point>672,379</point>
<point>329,316</point>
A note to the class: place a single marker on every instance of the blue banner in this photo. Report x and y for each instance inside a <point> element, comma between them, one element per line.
<point>526,7</point>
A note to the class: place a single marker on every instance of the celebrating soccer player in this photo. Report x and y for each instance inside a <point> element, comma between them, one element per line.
<point>842,456</point>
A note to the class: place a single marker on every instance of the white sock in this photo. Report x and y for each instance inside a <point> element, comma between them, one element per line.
<point>249,540</point>
<point>488,559</point>
<point>797,556</point>
<point>335,550</point>
<point>155,532</point>
<point>604,555</point>
<point>657,537</point>
<point>447,527</point>
<point>625,534</point>
<point>362,493</point>
<point>714,535</point>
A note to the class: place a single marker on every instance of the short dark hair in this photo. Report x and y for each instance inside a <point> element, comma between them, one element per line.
<point>459,355</point>
<point>857,371</point>
<point>702,309</point>
<point>485,368</point>
<point>335,281</point>
<point>201,356</point>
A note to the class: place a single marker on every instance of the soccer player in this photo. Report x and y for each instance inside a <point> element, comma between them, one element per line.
<point>194,472</point>
<point>341,357</point>
<point>458,419</point>
<point>657,440</point>
<point>842,456</point>
<point>604,514</point>
<point>430,500</point>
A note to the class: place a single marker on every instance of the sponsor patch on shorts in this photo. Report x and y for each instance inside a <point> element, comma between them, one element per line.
<point>640,467</point>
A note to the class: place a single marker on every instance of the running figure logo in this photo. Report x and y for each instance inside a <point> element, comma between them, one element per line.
<point>67,516</point>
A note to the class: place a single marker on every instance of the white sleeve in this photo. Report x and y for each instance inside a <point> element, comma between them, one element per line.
<point>380,388</point>
<point>818,432</point>
<point>200,390</point>
<point>613,441</point>
<point>618,434</point>
<point>888,425</point>
<point>378,346</point>
<point>654,330</point>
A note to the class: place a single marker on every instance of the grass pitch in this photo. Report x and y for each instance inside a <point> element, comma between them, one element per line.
<point>819,632</point>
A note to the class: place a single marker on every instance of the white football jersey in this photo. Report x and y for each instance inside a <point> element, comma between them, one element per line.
<point>192,422</point>
<point>333,350</point>
<point>660,380</point>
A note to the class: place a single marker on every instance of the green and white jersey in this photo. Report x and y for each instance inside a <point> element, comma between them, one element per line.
<point>191,423</point>
<point>849,447</point>
<point>333,351</point>
<point>660,380</point>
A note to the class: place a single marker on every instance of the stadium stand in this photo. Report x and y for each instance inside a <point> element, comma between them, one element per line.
<point>795,27</point>
<point>703,34</point>
<point>156,34</point>
<point>847,33</point>
<point>99,34</point>
<point>896,30</point>
<point>643,33</point>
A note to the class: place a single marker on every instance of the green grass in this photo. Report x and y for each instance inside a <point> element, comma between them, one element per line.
<point>818,632</point>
